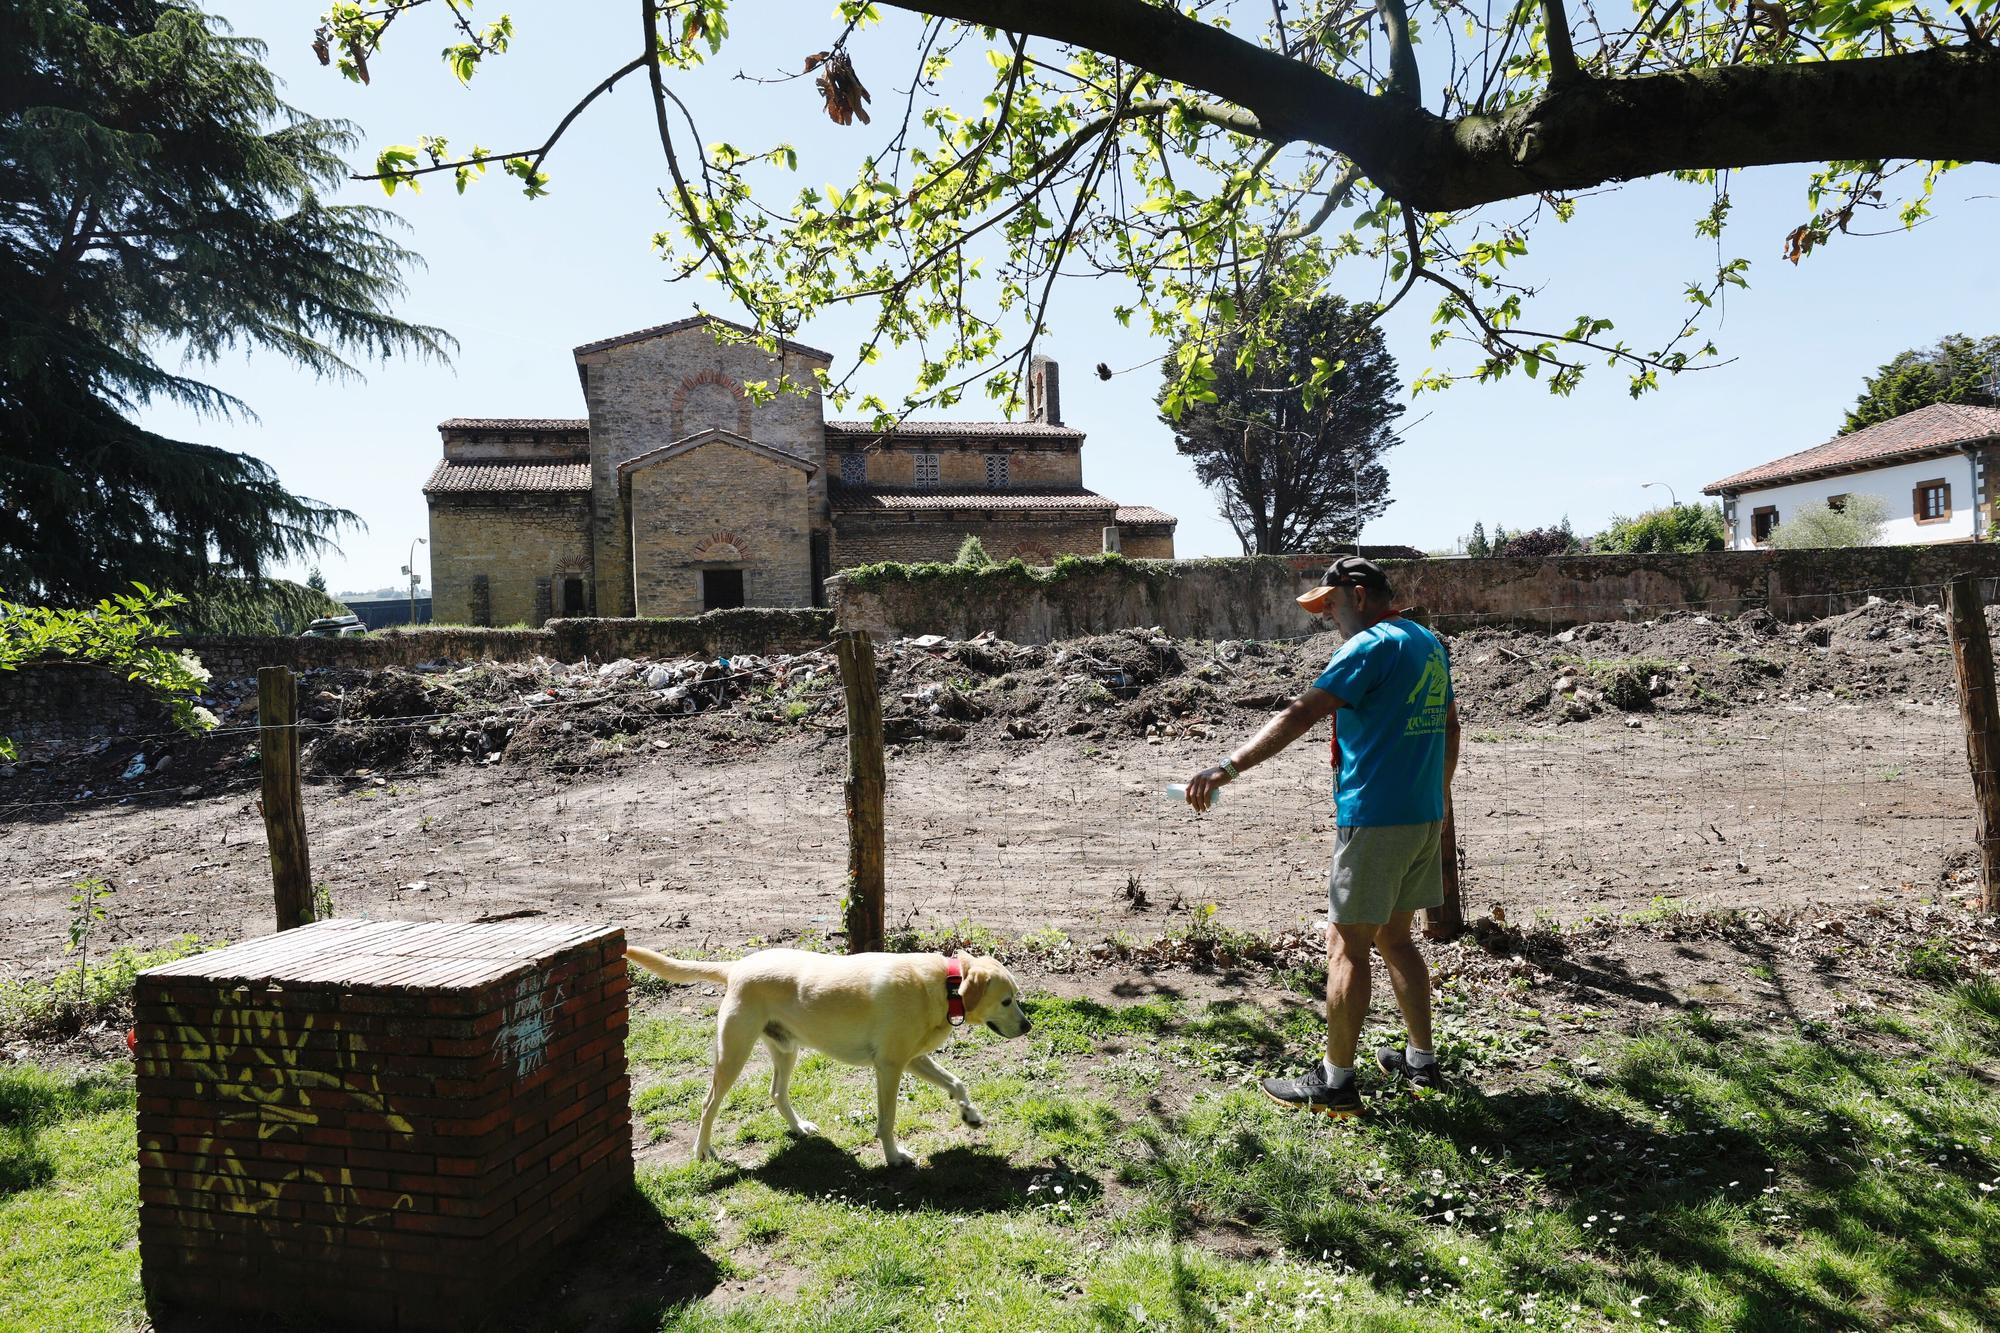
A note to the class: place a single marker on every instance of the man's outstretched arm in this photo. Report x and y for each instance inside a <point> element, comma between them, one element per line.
<point>1294,721</point>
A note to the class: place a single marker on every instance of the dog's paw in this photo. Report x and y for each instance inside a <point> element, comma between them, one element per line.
<point>897,1157</point>
<point>805,1127</point>
<point>971,1117</point>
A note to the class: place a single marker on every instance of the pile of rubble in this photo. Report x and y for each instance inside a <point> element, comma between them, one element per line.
<point>1133,685</point>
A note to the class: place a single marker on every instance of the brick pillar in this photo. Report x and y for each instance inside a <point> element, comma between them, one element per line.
<point>377,1124</point>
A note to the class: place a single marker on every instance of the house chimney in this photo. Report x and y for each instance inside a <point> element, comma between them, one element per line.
<point>1044,393</point>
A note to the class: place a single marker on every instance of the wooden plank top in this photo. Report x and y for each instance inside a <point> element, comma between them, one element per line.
<point>355,954</point>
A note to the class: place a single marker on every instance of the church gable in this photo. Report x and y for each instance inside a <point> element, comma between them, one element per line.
<point>702,439</point>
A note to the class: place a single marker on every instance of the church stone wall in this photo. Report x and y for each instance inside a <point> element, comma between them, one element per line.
<point>521,544</point>
<point>863,539</point>
<point>1148,543</point>
<point>645,395</point>
<point>962,466</point>
<point>720,506</point>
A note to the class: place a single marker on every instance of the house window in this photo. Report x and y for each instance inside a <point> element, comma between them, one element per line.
<point>927,469</point>
<point>996,471</point>
<point>1837,503</point>
<point>854,469</point>
<point>721,589</point>
<point>1763,520</point>
<point>1932,501</point>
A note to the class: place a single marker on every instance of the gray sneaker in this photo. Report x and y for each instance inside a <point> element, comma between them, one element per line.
<point>1311,1093</point>
<point>1423,1080</point>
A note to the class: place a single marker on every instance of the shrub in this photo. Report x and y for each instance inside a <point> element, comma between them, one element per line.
<point>1858,522</point>
<point>1676,529</point>
<point>79,996</point>
<point>1536,542</point>
<point>972,554</point>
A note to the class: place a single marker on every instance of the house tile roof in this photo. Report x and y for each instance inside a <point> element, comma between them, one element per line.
<point>1926,431</point>
<point>451,478</point>
<point>660,330</point>
<point>849,498</point>
<point>865,430</point>
<point>516,423</point>
<point>1133,515</point>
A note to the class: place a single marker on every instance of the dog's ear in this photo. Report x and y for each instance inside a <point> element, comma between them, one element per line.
<point>978,977</point>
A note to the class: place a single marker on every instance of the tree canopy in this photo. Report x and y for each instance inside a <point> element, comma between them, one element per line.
<point>155,193</point>
<point>1292,442</point>
<point>1958,369</point>
<point>1426,143</point>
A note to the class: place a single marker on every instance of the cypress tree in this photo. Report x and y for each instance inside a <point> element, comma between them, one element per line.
<point>157,196</point>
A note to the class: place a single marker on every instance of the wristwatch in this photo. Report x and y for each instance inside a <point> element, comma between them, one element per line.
<point>1229,766</point>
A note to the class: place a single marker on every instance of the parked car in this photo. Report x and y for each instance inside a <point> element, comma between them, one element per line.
<point>334,627</point>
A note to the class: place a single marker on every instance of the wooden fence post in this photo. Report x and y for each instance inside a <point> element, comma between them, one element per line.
<point>1972,653</point>
<point>284,808</point>
<point>865,782</point>
<point>1446,921</point>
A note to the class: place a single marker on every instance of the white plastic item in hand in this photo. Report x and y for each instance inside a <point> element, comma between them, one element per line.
<point>1177,791</point>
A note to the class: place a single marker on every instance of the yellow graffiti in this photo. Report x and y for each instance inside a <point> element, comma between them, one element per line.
<point>260,1081</point>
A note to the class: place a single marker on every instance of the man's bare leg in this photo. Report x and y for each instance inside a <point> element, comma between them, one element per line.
<point>1409,975</point>
<point>1347,983</point>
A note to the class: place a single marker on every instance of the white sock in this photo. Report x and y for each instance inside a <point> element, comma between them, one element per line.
<point>1337,1076</point>
<point>1417,1057</point>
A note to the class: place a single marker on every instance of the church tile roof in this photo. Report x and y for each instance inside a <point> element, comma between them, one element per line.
<point>848,498</point>
<point>450,478</point>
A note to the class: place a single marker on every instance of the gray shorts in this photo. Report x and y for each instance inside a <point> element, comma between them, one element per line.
<point>1380,870</point>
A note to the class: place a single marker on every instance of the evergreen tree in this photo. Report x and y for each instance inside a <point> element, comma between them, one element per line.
<point>1292,441</point>
<point>155,193</point>
<point>1476,544</point>
<point>317,582</point>
<point>1959,369</point>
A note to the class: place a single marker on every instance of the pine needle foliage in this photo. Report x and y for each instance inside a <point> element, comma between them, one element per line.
<point>158,198</point>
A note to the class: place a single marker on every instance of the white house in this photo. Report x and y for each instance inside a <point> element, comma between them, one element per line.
<point>1929,469</point>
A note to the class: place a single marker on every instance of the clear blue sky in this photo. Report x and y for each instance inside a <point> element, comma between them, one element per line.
<point>520,283</point>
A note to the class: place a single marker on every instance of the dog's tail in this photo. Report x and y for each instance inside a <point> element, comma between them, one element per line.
<point>677,969</point>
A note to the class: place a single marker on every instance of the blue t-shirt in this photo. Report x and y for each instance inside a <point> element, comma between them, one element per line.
<point>1395,679</point>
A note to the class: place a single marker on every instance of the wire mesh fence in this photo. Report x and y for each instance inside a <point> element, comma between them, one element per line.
<point>1806,795</point>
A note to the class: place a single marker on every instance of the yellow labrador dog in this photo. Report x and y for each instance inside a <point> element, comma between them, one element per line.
<point>884,1010</point>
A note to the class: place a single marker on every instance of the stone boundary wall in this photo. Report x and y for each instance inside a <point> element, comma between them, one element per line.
<point>62,702</point>
<point>1252,597</point>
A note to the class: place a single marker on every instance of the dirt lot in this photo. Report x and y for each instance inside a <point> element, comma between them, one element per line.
<point>1615,769</point>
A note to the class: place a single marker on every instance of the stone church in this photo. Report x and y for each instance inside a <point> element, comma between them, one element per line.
<point>677,494</point>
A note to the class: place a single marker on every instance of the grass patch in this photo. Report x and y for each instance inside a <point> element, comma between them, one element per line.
<point>95,991</point>
<point>69,1206</point>
<point>1129,1177</point>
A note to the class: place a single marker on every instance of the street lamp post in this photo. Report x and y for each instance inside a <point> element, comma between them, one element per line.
<point>1672,499</point>
<point>411,570</point>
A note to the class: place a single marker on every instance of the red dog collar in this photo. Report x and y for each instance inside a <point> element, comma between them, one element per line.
<point>954,1003</point>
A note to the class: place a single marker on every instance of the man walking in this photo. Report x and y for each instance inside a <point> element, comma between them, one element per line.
<point>1397,741</point>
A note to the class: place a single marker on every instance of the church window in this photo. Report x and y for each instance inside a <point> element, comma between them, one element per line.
<point>854,469</point>
<point>996,471</point>
<point>927,469</point>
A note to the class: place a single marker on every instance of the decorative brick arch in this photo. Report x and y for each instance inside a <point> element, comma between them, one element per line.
<point>720,380</point>
<point>1033,554</point>
<point>722,548</point>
